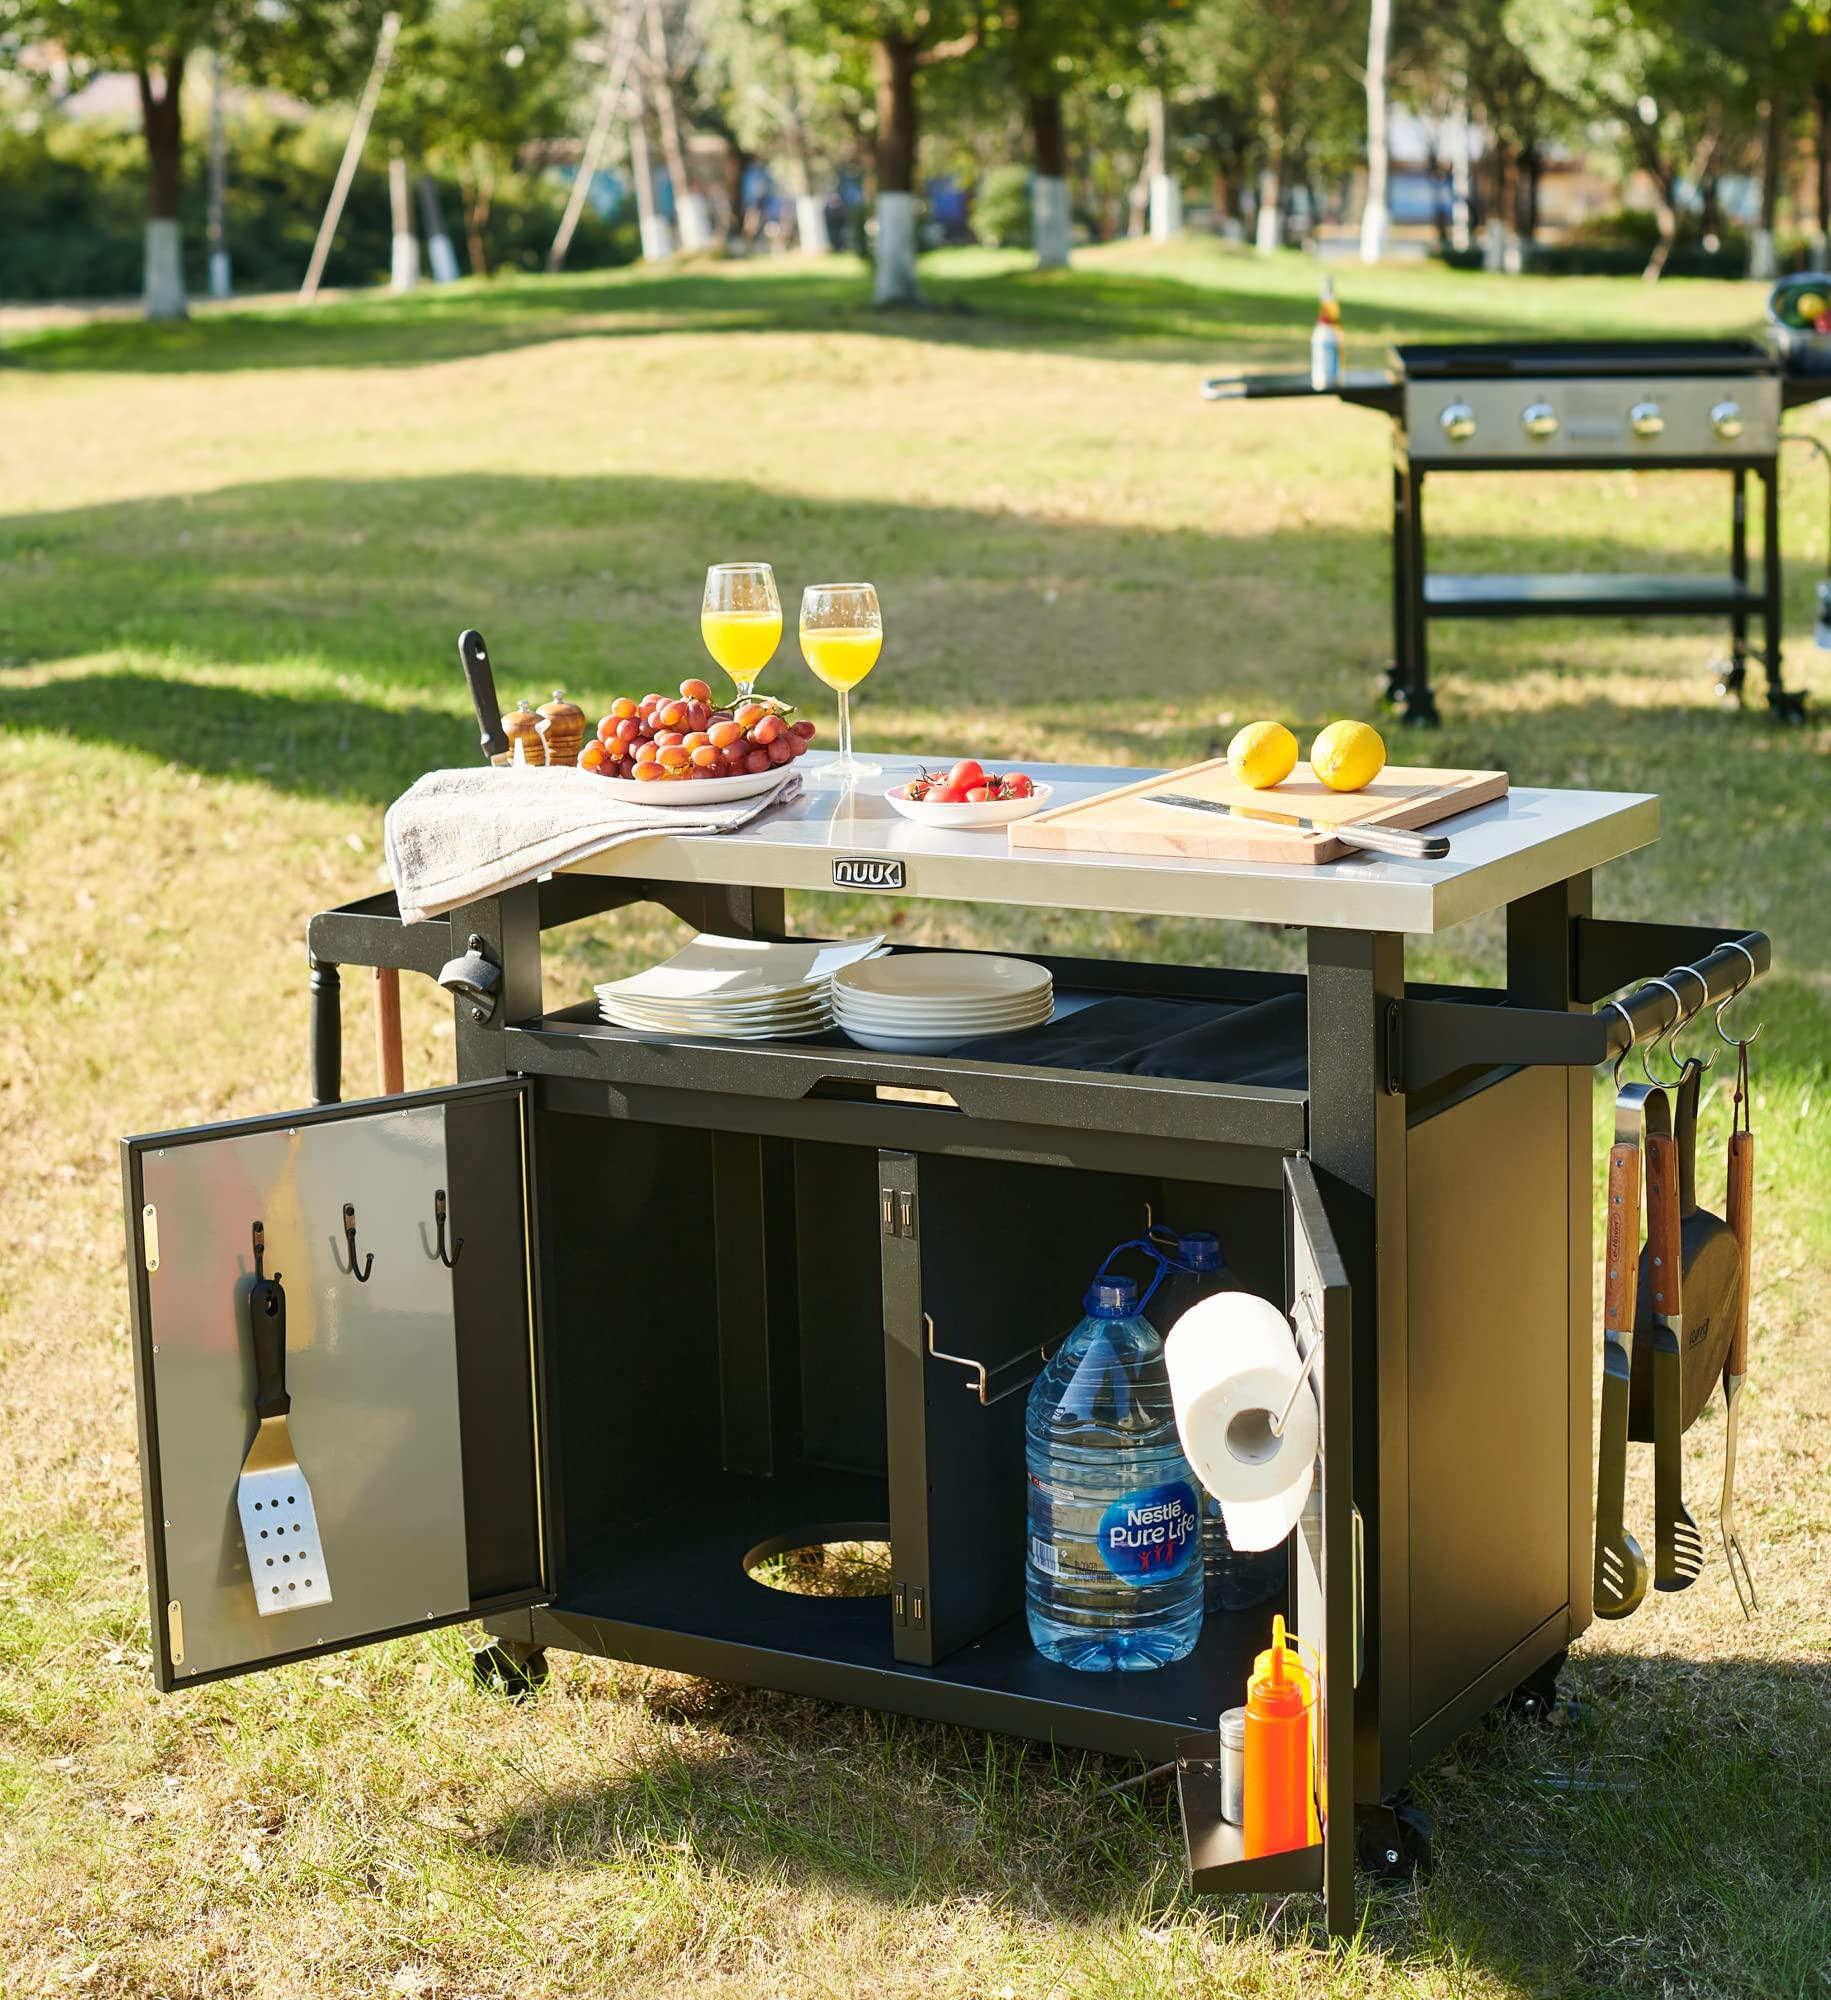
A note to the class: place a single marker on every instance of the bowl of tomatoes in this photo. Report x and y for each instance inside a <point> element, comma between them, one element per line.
<point>966,794</point>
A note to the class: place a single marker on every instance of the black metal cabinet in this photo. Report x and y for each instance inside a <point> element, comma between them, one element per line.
<point>870,1254</point>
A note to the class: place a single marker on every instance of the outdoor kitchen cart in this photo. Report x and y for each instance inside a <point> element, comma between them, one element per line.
<point>504,1413</point>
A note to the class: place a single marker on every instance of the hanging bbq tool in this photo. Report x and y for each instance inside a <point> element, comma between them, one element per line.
<point>473,657</point>
<point>279,1523</point>
<point>1710,1281</point>
<point>1740,1202</point>
<point>1678,1547</point>
<point>1621,1576</point>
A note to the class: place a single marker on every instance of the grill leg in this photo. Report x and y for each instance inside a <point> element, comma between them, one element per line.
<point>1730,684</point>
<point>1398,674</point>
<point>326,1034</point>
<point>1420,703</point>
<point>1788,707</point>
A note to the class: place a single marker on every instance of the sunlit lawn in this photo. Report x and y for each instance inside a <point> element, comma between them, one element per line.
<point>234,557</point>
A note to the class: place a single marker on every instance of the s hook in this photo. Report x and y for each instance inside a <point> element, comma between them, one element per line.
<point>359,1267</point>
<point>1735,993</point>
<point>1627,1047</point>
<point>1703,997</point>
<point>1679,1018</point>
<point>438,1217</point>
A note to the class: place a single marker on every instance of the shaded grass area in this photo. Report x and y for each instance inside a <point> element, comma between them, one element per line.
<point>227,613</point>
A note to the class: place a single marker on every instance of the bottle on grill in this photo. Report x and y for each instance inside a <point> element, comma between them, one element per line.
<point>1325,341</point>
<point>1114,1579</point>
<point>1234,1579</point>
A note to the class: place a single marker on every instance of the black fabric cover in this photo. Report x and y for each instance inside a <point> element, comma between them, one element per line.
<point>1263,1042</point>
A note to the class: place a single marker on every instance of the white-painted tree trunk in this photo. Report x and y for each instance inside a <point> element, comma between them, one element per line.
<point>443,259</point>
<point>1049,221</point>
<point>1166,208</point>
<point>1268,227</point>
<point>657,239</point>
<point>163,291</point>
<point>810,224</point>
<point>220,283</point>
<point>1462,175</point>
<point>694,216</point>
<point>404,261</point>
<point>1376,212</point>
<point>894,282</point>
<point>1763,263</point>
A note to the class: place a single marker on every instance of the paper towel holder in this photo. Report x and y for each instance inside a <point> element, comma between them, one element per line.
<point>1303,1374</point>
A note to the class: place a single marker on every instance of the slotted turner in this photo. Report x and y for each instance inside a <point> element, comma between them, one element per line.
<point>279,1523</point>
<point>1621,1576</point>
<point>1678,1543</point>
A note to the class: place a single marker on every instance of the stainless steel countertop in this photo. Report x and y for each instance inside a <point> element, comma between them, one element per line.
<point>1498,853</point>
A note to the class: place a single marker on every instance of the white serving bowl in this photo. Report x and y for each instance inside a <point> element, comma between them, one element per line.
<point>693,791</point>
<point>990,813</point>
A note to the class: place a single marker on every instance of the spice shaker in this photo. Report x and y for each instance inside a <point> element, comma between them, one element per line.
<point>562,729</point>
<point>1233,1766</point>
<point>522,727</point>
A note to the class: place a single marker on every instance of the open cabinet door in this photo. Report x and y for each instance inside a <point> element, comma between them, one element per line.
<point>1325,1596</point>
<point>409,1365</point>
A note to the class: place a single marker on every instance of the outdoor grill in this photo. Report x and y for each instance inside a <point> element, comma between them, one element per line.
<point>1563,406</point>
<point>510,1410</point>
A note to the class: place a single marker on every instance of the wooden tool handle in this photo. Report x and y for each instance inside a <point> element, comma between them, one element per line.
<point>1663,1234</point>
<point>1622,1242</point>
<point>390,1075</point>
<point>1741,1205</point>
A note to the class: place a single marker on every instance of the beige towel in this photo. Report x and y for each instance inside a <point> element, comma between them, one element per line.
<point>459,836</point>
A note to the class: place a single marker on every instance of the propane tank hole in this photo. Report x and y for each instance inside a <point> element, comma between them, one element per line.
<point>843,1559</point>
<point>1250,1436</point>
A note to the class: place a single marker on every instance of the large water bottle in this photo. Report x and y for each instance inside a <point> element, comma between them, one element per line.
<point>1114,1579</point>
<point>1234,1579</point>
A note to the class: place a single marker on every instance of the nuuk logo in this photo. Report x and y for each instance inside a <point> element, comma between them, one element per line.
<point>859,873</point>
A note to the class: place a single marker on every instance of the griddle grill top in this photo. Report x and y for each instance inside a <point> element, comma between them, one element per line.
<point>1488,360</point>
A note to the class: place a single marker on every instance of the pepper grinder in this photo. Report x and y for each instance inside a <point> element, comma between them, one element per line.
<point>562,729</point>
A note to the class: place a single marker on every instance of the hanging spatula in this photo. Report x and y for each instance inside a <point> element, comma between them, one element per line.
<point>1740,1204</point>
<point>279,1523</point>
<point>1678,1545</point>
<point>1620,1580</point>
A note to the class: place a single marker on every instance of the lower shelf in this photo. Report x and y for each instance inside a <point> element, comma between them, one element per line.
<point>669,1590</point>
<point>1463,594</point>
<point>1216,1848</point>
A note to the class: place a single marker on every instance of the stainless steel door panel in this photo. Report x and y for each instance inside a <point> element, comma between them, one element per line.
<point>372,1369</point>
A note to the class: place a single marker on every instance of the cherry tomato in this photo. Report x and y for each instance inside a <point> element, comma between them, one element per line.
<point>967,772</point>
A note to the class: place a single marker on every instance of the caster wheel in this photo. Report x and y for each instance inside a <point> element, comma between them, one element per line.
<point>1536,1697</point>
<point>1422,714</point>
<point>1393,1843</point>
<point>1392,690</point>
<point>1788,705</point>
<point>510,1671</point>
<point>1730,676</point>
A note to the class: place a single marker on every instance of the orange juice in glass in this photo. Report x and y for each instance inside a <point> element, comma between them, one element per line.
<point>740,620</point>
<point>842,633</point>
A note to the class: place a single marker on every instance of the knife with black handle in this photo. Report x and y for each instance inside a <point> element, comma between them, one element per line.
<point>473,657</point>
<point>1371,839</point>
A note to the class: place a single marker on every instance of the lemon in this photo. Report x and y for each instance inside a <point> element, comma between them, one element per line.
<point>1262,754</point>
<point>1809,305</point>
<point>1347,755</point>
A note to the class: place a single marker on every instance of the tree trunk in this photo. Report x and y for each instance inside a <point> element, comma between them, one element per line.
<point>690,218</point>
<point>1531,172</point>
<point>439,252</point>
<point>1821,173</point>
<point>737,165</point>
<point>217,226</point>
<point>1049,190</point>
<point>893,70</point>
<point>1166,185</point>
<point>1665,212</point>
<point>1762,262</point>
<point>162,122</point>
<point>1462,181</point>
<point>404,257</point>
<point>476,192</point>
<point>1376,211</point>
<point>1268,226</point>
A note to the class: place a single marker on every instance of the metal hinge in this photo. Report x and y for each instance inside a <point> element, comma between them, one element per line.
<point>174,1631</point>
<point>149,1236</point>
<point>1359,1580</point>
<point>897,1210</point>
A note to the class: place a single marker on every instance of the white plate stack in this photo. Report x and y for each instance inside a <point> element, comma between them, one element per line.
<point>921,1003</point>
<point>743,989</point>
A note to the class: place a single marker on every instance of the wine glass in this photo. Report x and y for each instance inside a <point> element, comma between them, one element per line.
<point>842,633</point>
<point>740,619</point>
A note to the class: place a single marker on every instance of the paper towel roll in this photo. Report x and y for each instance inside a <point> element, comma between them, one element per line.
<point>1232,1360</point>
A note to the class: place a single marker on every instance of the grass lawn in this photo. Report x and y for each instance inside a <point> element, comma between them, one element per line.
<point>233,559</point>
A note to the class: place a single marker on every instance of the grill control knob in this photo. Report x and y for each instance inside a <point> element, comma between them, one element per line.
<point>1539,420</point>
<point>1458,422</point>
<point>1726,419</point>
<point>1645,421</point>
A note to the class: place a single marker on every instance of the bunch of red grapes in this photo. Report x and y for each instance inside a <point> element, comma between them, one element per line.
<point>684,736</point>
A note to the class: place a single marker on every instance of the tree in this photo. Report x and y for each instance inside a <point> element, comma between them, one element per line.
<point>474,81</point>
<point>1376,211</point>
<point>315,48</point>
<point>901,38</point>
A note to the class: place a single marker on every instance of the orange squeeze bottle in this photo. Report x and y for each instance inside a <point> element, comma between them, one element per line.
<point>1277,1807</point>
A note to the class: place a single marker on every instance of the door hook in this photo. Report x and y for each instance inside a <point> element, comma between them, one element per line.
<point>438,1217</point>
<point>359,1267</point>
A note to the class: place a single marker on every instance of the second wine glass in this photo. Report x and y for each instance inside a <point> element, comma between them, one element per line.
<point>842,633</point>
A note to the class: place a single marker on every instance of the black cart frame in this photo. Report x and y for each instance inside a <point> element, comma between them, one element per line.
<point>617,1476</point>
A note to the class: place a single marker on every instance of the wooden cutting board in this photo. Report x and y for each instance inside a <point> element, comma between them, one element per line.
<point>1125,822</point>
